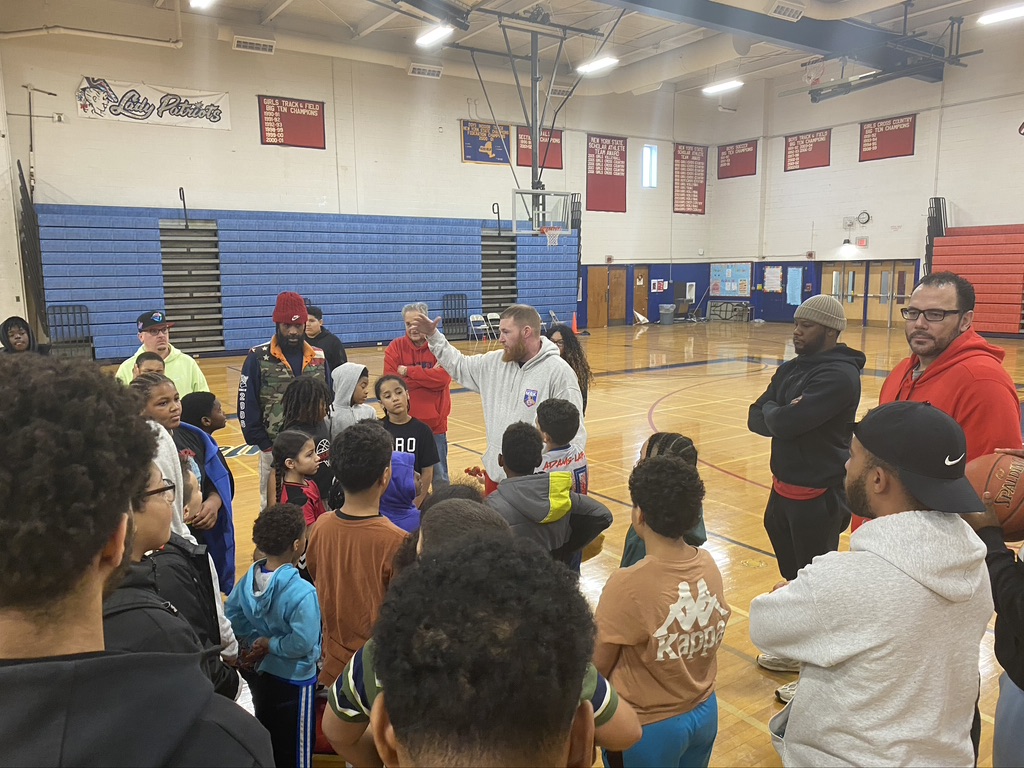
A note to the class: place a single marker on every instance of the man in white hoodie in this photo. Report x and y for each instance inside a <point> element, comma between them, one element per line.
<point>527,370</point>
<point>889,632</point>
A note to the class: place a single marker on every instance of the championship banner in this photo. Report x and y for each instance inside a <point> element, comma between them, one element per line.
<point>882,139</point>
<point>808,150</point>
<point>292,122</point>
<point>606,173</point>
<point>100,99</point>
<point>550,155</point>
<point>486,143</point>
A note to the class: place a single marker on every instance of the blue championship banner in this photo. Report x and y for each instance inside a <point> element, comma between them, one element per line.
<point>486,142</point>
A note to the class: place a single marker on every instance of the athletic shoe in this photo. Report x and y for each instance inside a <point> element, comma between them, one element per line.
<point>785,693</point>
<point>777,663</point>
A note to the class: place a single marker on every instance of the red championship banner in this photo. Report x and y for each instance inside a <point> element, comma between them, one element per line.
<point>809,150</point>
<point>735,160</point>
<point>882,139</point>
<point>689,178</point>
<point>606,173</point>
<point>292,122</point>
<point>550,155</point>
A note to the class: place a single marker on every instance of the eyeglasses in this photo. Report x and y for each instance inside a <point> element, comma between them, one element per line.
<point>931,315</point>
<point>167,490</point>
<point>158,331</point>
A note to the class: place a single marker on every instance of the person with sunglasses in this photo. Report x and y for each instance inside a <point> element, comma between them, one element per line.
<point>155,335</point>
<point>953,368</point>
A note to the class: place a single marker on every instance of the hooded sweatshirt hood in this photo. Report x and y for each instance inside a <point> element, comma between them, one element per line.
<point>397,502</point>
<point>343,413</point>
<point>123,709</point>
<point>5,334</point>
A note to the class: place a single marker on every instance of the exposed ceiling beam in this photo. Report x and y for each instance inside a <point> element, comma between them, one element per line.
<point>272,9</point>
<point>373,22</point>
<point>522,5</point>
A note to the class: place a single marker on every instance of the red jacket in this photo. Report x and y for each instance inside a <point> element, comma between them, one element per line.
<point>430,400</point>
<point>968,382</point>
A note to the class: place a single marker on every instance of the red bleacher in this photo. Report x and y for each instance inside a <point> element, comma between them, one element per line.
<point>992,258</point>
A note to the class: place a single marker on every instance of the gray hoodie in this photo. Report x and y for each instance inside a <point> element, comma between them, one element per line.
<point>510,392</point>
<point>343,413</point>
<point>889,636</point>
<point>544,509</point>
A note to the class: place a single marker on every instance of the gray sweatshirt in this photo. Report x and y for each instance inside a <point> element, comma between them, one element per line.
<point>343,413</point>
<point>889,636</point>
<point>510,392</point>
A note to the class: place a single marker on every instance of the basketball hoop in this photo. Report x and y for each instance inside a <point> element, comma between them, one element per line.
<point>552,234</point>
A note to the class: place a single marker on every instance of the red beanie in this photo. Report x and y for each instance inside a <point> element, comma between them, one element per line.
<point>290,309</point>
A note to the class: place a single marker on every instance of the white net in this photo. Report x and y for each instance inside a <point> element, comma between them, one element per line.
<point>552,234</point>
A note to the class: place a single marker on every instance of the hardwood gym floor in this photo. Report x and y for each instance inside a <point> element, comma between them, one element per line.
<point>697,379</point>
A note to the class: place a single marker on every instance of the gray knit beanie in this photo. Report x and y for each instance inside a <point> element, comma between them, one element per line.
<point>823,310</point>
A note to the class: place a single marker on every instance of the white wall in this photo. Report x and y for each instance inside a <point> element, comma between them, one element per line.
<point>394,146</point>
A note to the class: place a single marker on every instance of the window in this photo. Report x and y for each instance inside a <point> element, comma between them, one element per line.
<point>649,167</point>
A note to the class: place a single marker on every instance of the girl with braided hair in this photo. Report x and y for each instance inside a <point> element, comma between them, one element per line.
<point>664,444</point>
<point>306,405</point>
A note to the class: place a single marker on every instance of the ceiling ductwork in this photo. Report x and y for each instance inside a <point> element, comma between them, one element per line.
<point>812,9</point>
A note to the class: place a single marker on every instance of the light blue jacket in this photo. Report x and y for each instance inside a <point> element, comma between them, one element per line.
<point>282,607</point>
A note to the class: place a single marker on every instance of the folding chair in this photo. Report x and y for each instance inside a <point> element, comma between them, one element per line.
<point>477,326</point>
<point>493,320</point>
<point>554,317</point>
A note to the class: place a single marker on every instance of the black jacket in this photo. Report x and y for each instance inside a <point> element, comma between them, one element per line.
<point>122,709</point>
<point>811,437</point>
<point>181,573</point>
<point>1006,573</point>
<point>333,349</point>
<point>33,344</point>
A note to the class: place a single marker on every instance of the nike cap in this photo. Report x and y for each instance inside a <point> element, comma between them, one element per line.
<point>929,450</point>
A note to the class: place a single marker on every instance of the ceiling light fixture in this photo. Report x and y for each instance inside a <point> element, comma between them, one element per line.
<point>434,35</point>
<point>597,65</point>
<point>1006,14</point>
<point>201,4</point>
<point>730,85</point>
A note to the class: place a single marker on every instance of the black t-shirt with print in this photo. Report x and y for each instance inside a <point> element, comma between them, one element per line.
<point>416,438</point>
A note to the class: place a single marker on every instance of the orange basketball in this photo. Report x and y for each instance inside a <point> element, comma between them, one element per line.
<point>1003,477</point>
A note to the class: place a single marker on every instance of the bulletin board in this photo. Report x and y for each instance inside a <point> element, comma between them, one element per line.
<point>731,280</point>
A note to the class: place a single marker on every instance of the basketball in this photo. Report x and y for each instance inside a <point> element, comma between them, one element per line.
<point>1000,475</point>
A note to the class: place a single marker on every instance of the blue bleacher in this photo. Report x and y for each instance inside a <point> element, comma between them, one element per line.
<point>360,269</point>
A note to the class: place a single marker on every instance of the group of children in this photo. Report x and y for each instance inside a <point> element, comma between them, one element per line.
<point>349,493</point>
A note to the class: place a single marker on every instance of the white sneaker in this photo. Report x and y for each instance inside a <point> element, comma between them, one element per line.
<point>777,663</point>
<point>785,693</point>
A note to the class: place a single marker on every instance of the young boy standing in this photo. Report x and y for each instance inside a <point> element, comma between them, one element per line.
<point>661,621</point>
<point>558,421</point>
<point>276,616</point>
<point>351,550</point>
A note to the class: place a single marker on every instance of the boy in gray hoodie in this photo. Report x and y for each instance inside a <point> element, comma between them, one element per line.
<point>351,388</point>
<point>542,507</point>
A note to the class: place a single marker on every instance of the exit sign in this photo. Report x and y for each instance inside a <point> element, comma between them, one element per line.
<point>862,242</point>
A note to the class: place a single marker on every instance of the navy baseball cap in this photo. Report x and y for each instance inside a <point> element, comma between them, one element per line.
<point>154,319</point>
<point>928,449</point>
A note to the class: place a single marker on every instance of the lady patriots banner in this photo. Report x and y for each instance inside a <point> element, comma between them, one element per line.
<point>101,99</point>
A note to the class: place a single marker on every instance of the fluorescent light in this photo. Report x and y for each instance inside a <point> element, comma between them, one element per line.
<point>731,85</point>
<point>597,65</point>
<point>201,4</point>
<point>864,74</point>
<point>1004,15</point>
<point>434,35</point>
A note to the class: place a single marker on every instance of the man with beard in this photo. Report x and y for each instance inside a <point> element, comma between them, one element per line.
<point>888,633</point>
<point>807,411</point>
<point>266,373</point>
<point>155,335</point>
<point>953,368</point>
<point>511,381</point>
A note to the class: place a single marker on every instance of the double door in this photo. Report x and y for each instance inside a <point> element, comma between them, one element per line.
<point>871,292</point>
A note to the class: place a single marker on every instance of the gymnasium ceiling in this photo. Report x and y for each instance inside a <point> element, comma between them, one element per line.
<point>680,45</point>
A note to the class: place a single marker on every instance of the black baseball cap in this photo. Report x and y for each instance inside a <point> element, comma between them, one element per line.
<point>153,319</point>
<point>929,450</point>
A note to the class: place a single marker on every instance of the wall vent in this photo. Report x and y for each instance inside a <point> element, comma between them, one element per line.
<point>559,91</point>
<point>253,44</point>
<point>787,10</point>
<point>431,71</point>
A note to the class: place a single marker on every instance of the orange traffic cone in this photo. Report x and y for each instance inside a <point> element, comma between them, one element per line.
<point>575,330</point>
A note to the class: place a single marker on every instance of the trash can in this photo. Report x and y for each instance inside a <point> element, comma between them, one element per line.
<point>668,313</point>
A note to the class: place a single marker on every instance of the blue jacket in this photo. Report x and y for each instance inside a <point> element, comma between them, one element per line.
<point>286,612</point>
<point>219,540</point>
<point>397,502</point>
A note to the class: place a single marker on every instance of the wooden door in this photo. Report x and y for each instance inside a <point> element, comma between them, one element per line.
<point>640,290</point>
<point>880,294</point>
<point>597,297</point>
<point>902,286</point>
<point>845,282</point>
<point>617,296</point>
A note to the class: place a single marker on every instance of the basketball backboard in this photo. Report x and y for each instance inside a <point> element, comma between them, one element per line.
<point>534,209</point>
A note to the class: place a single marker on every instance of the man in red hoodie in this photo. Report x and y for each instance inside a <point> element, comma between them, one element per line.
<point>430,400</point>
<point>953,368</point>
